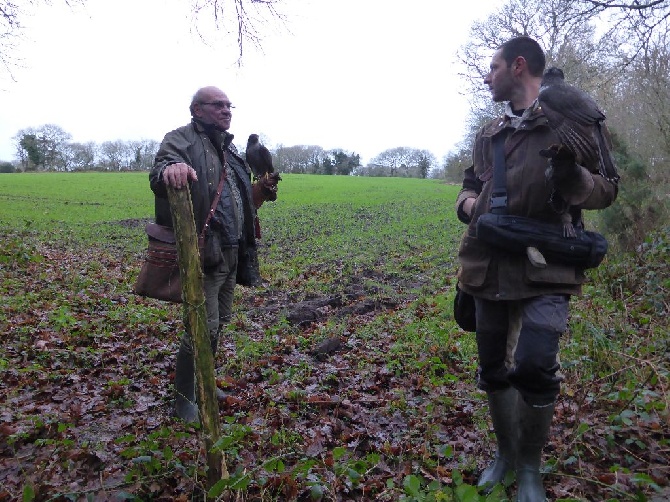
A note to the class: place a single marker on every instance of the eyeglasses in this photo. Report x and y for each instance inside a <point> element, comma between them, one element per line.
<point>219,104</point>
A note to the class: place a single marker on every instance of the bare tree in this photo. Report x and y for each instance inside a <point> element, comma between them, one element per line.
<point>49,147</point>
<point>54,140</point>
<point>300,159</point>
<point>148,150</point>
<point>11,28</point>
<point>642,117</point>
<point>113,155</point>
<point>403,161</point>
<point>242,18</point>
<point>638,23</point>
<point>81,156</point>
<point>44,147</point>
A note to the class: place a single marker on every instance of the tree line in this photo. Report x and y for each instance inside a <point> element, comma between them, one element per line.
<point>49,148</point>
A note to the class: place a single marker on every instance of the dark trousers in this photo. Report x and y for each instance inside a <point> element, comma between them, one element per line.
<point>517,342</point>
<point>219,285</point>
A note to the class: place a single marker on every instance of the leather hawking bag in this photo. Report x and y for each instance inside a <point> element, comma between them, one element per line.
<point>159,276</point>
<point>516,233</point>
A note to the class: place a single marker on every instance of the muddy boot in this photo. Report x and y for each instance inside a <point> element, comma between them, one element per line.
<point>534,425</point>
<point>214,341</point>
<point>184,384</point>
<point>503,407</point>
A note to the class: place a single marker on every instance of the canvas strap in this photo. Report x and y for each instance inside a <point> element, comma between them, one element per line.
<point>499,192</point>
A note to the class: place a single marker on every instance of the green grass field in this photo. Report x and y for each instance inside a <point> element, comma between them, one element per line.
<point>80,198</point>
<point>391,223</point>
<point>393,414</point>
<point>66,199</point>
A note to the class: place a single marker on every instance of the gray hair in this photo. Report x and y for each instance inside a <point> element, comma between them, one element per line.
<point>197,98</point>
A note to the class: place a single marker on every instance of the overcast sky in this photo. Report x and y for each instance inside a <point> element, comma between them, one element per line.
<point>361,75</point>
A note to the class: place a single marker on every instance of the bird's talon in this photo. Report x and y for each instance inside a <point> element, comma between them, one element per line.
<point>569,231</point>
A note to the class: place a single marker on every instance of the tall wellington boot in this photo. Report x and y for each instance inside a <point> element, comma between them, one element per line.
<point>214,340</point>
<point>534,425</point>
<point>184,384</point>
<point>503,406</point>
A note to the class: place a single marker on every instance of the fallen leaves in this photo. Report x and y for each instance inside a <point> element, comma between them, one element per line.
<point>86,388</point>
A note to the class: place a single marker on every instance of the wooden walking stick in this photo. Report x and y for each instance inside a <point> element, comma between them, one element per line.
<point>195,322</point>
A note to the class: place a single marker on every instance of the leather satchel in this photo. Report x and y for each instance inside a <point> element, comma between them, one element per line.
<point>159,276</point>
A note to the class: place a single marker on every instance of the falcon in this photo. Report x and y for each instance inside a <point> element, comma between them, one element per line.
<point>259,157</point>
<point>578,123</point>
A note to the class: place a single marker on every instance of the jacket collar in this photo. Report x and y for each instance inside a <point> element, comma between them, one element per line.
<point>528,114</point>
<point>531,118</point>
<point>226,137</point>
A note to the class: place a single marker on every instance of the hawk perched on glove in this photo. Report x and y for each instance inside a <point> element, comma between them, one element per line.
<point>577,121</point>
<point>259,159</point>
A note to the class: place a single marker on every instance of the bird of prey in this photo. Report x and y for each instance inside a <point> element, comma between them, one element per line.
<point>577,120</point>
<point>259,157</point>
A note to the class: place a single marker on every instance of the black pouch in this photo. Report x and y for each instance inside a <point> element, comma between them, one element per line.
<point>464,310</point>
<point>248,269</point>
<point>515,233</point>
<point>210,251</point>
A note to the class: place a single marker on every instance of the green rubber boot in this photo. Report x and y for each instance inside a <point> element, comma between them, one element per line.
<point>185,406</point>
<point>534,425</point>
<point>503,407</point>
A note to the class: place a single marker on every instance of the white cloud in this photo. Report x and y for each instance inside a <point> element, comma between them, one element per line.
<point>363,75</point>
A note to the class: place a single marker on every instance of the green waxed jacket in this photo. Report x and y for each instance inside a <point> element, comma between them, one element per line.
<point>191,145</point>
<point>492,274</point>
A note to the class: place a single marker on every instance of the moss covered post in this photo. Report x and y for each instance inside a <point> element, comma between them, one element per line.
<point>195,322</point>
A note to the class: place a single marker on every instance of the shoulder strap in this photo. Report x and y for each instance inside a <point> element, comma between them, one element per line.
<point>215,202</point>
<point>499,192</point>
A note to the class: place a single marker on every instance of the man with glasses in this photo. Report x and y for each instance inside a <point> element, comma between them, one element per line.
<point>199,154</point>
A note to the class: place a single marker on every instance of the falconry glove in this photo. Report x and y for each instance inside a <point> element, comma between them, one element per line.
<point>265,189</point>
<point>573,182</point>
